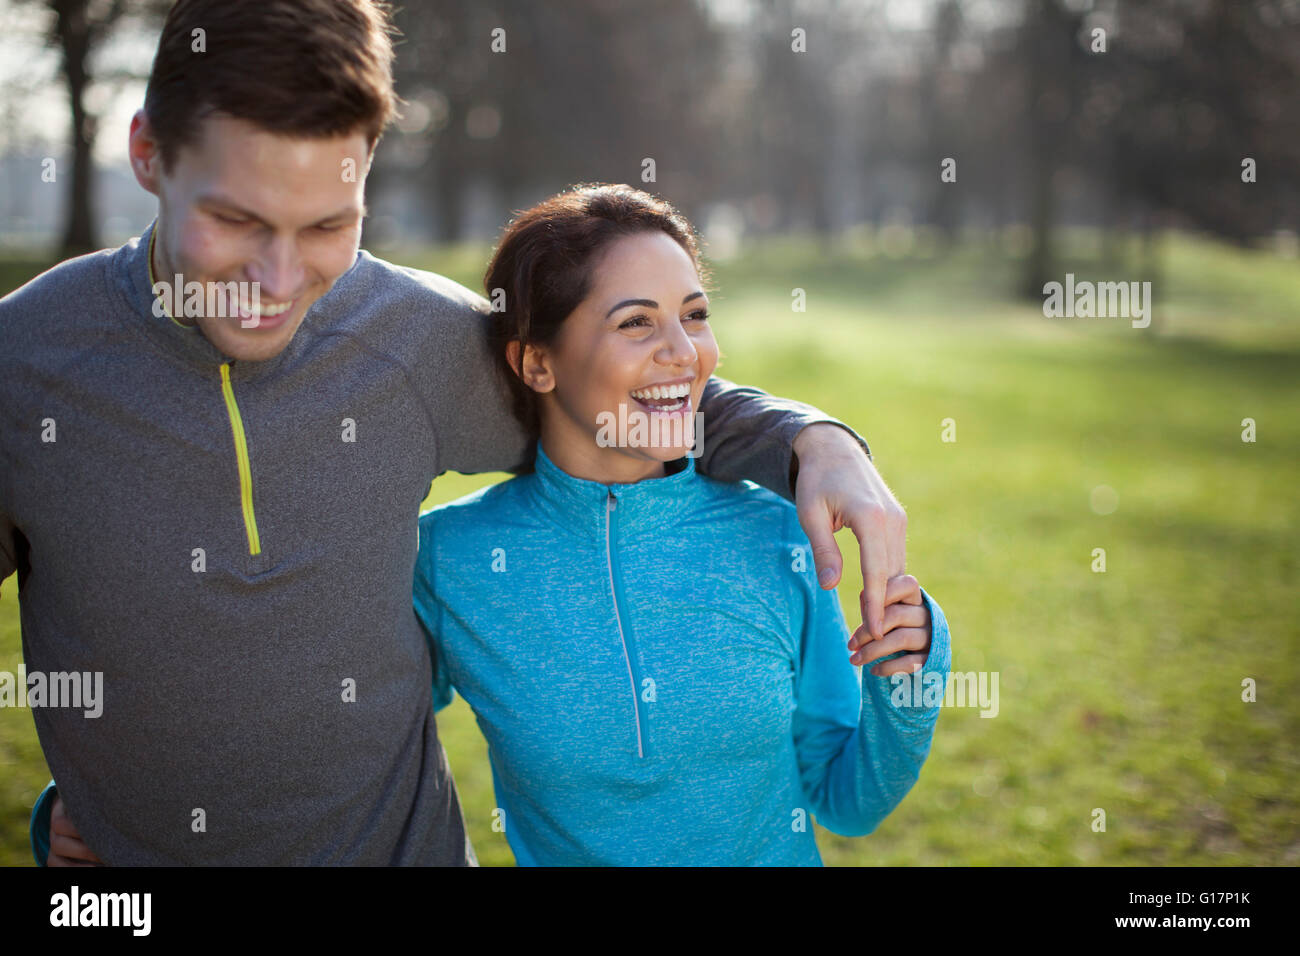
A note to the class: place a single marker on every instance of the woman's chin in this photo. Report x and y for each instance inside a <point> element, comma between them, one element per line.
<point>666,454</point>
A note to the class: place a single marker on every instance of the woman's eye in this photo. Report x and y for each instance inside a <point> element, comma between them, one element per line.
<point>699,315</point>
<point>634,321</point>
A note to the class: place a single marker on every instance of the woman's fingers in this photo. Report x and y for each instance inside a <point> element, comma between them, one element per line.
<point>899,639</point>
<point>66,846</point>
<point>70,851</point>
<point>907,664</point>
<point>896,616</point>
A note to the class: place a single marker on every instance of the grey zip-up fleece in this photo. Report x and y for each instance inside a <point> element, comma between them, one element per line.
<point>232,545</point>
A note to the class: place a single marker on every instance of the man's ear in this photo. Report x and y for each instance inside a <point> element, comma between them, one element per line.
<point>536,372</point>
<point>143,153</point>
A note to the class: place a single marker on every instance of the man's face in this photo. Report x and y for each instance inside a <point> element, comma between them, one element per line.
<point>244,205</point>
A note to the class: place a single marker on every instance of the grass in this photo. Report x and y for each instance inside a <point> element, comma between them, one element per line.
<point>1119,691</point>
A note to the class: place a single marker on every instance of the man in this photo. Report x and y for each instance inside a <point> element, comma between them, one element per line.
<point>215,442</point>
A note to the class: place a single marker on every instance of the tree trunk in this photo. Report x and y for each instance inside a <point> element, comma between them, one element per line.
<point>73,30</point>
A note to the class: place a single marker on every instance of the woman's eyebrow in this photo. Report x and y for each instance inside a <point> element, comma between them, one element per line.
<point>649,303</point>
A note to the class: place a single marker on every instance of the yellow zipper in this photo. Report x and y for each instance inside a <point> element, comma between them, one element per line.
<point>241,453</point>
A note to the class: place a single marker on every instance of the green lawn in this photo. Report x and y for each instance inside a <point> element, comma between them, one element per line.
<point>1119,690</point>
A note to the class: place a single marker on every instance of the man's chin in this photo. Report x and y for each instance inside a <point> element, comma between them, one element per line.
<point>248,345</point>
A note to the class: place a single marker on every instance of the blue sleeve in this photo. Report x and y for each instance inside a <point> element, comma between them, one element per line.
<point>859,754</point>
<point>429,612</point>
<point>39,828</point>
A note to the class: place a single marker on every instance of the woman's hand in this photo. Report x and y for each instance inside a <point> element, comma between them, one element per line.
<point>66,845</point>
<point>907,628</point>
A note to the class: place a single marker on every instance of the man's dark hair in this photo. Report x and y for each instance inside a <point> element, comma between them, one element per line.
<point>307,68</point>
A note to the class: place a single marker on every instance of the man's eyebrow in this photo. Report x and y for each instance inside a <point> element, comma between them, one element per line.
<point>213,199</point>
<point>649,303</point>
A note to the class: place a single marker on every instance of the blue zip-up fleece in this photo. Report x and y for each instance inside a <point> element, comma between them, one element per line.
<point>659,678</point>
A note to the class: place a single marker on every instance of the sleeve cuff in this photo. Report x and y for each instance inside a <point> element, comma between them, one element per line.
<point>39,828</point>
<point>940,659</point>
<point>908,694</point>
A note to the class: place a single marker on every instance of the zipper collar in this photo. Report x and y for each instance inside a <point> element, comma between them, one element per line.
<point>134,279</point>
<point>579,504</point>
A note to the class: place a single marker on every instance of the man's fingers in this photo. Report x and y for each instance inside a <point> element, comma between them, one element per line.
<point>875,581</point>
<point>896,539</point>
<point>826,553</point>
<point>881,530</point>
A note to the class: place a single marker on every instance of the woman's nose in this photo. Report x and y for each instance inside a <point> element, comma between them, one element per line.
<point>677,347</point>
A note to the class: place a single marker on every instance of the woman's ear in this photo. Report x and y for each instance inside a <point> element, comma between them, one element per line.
<point>536,371</point>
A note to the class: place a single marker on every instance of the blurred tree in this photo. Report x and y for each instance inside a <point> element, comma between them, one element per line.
<point>78,29</point>
<point>1157,124</point>
<point>1205,87</point>
<point>524,99</point>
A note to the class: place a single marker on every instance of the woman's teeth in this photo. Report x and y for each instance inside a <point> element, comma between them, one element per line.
<point>663,398</point>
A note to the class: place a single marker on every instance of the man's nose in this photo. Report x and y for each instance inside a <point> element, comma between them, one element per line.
<point>278,270</point>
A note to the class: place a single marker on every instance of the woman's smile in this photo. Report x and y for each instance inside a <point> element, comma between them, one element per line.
<point>673,395</point>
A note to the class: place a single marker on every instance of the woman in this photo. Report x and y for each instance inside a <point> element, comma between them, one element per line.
<point>658,676</point>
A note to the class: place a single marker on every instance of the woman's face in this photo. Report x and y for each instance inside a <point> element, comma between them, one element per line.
<point>622,381</point>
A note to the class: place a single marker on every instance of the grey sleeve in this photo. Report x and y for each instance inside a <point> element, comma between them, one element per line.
<point>750,434</point>
<point>8,558</point>
<point>8,540</point>
<point>477,431</point>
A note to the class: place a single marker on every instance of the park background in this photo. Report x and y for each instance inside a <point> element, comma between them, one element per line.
<point>807,141</point>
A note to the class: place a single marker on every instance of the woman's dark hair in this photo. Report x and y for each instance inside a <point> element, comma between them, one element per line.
<point>543,268</point>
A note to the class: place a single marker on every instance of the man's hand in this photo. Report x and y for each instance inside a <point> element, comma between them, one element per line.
<point>66,846</point>
<point>907,626</point>
<point>838,487</point>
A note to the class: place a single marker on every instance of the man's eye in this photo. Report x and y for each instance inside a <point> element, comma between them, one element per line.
<point>231,221</point>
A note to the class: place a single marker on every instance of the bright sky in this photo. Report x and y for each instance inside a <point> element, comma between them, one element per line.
<point>34,103</point>
<point>35,97</point>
